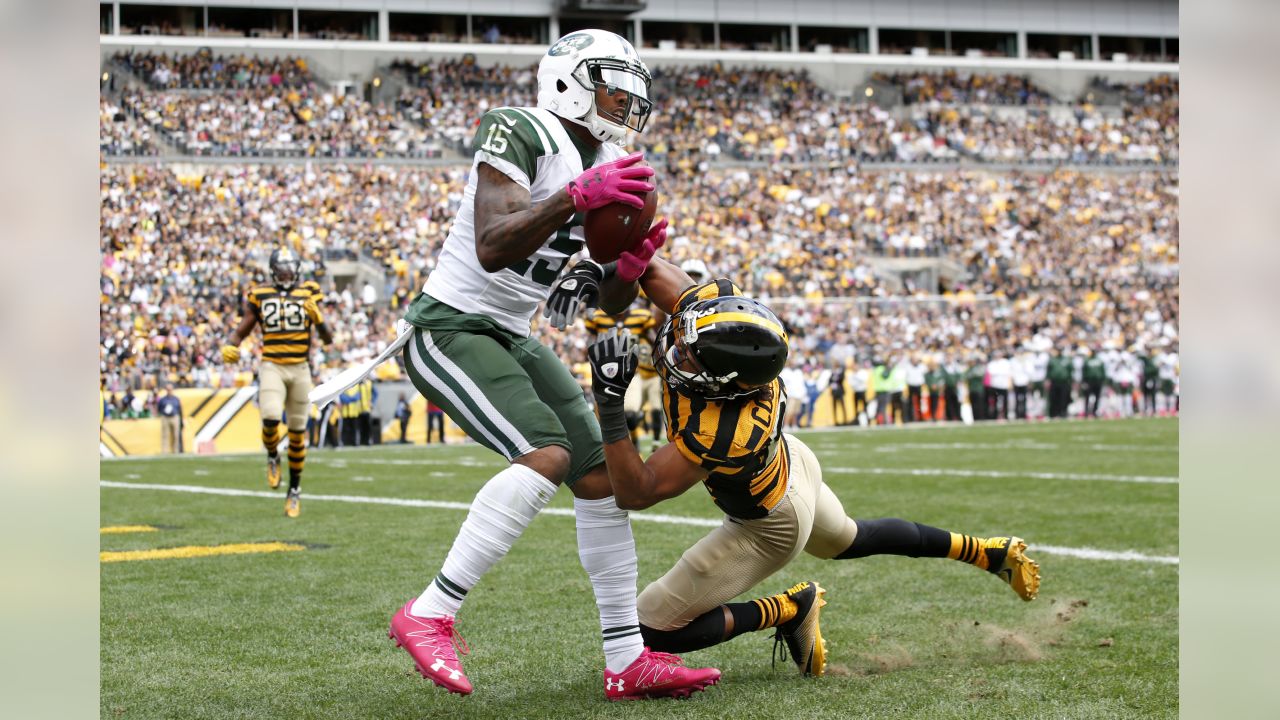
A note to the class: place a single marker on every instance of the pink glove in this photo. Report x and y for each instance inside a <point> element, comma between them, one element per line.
<point>614,181</point>
<point>632,263</point>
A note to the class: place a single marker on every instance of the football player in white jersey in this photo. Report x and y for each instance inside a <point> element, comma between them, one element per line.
<point>537,171</point>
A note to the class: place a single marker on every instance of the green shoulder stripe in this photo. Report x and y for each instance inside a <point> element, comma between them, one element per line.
<point>506,134</point>
<point>544,134</point>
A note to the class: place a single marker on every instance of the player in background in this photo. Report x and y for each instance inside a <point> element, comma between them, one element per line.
<point>645,390</point>
<point>1124,379</point>
<point>1038,370</point>
<point>719,354</point>
<point>287,312</point>
<point>536,171</point>
<point>1150,379</point>
<point>1167,362</point>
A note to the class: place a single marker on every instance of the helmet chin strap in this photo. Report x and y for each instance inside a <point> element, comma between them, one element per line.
<point>600,128</point>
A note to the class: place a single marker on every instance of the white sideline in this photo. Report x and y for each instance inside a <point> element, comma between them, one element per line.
<point>1082,553</point>
<point>999,474</point>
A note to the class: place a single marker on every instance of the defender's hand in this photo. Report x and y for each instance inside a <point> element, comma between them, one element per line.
<point>633,262</point>
<point>615,181</point>
<point>613,364</point>
<point>580,286</point>
<point>230,354</point>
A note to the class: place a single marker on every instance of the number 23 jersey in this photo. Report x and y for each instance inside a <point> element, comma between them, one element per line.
<point>286,317</point>
<point>534,150</point>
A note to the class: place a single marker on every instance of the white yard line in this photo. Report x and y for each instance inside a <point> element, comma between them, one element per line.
<point>1028,446</point>
<point>952,472</point>
<point>1082,553</point>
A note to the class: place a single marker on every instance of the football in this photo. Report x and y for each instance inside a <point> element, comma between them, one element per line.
<point>614,228</point>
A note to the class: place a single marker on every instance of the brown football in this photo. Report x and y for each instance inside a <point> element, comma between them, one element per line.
<point>614,228</point>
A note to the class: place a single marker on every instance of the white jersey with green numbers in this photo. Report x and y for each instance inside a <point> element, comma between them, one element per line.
<point>531,147</point>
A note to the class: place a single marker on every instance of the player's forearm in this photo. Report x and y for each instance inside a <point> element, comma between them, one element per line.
<point>632,480</point>
<point>663,282</point>
<point>510,235</point>
<point>616,295</point>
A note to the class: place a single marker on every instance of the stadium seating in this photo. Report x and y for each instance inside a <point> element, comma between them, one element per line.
<point>1086,252</point>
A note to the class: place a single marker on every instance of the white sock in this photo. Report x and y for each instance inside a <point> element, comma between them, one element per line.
<point>608,554</point>
<point>500,512</point>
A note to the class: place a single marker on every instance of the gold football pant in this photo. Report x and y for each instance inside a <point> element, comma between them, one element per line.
<point>740,553</point>
<point>284,387</point>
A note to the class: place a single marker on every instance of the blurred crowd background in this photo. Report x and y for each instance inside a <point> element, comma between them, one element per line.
<point>1054,220</point>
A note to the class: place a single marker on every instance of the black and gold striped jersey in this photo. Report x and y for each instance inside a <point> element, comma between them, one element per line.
<point>286,317</point>
<point>738,441</point>
<point>313,287</point>
<point>640,322</point>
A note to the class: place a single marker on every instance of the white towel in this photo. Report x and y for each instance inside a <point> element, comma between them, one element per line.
<point>327,392</point>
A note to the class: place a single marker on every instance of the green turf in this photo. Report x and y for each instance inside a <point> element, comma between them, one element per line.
<point>300,635</point>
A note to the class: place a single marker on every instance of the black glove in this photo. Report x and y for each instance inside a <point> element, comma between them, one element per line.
<point>613,364</point>
<point>578,287</point>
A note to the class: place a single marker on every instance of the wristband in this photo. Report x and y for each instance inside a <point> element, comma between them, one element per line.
<point>613,422</point>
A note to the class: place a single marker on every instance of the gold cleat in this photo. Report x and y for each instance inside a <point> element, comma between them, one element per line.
<point>273,472</point>
<point>1007,559</point>
<point>293,504</point>
<point>801,635</point>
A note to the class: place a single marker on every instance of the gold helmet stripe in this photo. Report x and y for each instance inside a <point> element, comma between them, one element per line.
<point>742,317</point>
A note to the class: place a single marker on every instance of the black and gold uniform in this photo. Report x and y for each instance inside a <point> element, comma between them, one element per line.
<point>286,317</point>
<point>739,441</point>
<point>640,322</point>
<point>288,312</point>
<point>719,356</point>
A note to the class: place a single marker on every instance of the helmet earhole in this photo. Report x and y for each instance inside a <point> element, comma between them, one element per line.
<point>756,347</point>
<point>560,86</point>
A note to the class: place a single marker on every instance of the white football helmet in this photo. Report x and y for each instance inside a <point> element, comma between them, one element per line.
<point>578,63</point>
<point>696,269</point>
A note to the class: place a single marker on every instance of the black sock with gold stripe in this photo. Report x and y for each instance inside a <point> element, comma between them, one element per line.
<point>710,629</point>
<point>892,536</point>
<point>967,548</point>
<point>271,436</point>
<point>773,611</point>
<point>297,456</point>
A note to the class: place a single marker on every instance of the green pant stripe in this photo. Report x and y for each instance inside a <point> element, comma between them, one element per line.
<point>497,420</point>
<point>429,373</point>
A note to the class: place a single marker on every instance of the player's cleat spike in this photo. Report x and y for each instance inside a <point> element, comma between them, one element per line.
<point>657,675</point>
<point>293,503</point>
<point>802,635</point>
<point>430,642</point>
<point>1007,558</point>
<point>273,472</point>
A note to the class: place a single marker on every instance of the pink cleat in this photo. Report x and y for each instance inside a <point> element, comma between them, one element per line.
<point>430,642</point>
<point>657,674</point>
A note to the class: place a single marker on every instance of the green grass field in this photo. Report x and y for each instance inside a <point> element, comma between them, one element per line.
<point>303,634</point>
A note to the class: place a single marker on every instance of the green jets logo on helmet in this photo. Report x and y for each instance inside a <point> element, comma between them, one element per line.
<point>569,43</point>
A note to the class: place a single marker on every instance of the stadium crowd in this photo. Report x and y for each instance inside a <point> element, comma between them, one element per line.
<point>964,88</point>
<point>708,113</point>
<point>302,121</point>
<point>1086,258</point>
<point>204,70</point>
<point>121,134</point>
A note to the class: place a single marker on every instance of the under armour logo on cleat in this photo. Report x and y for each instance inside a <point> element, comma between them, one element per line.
<point>453,674</point>
<point>608,684</point>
